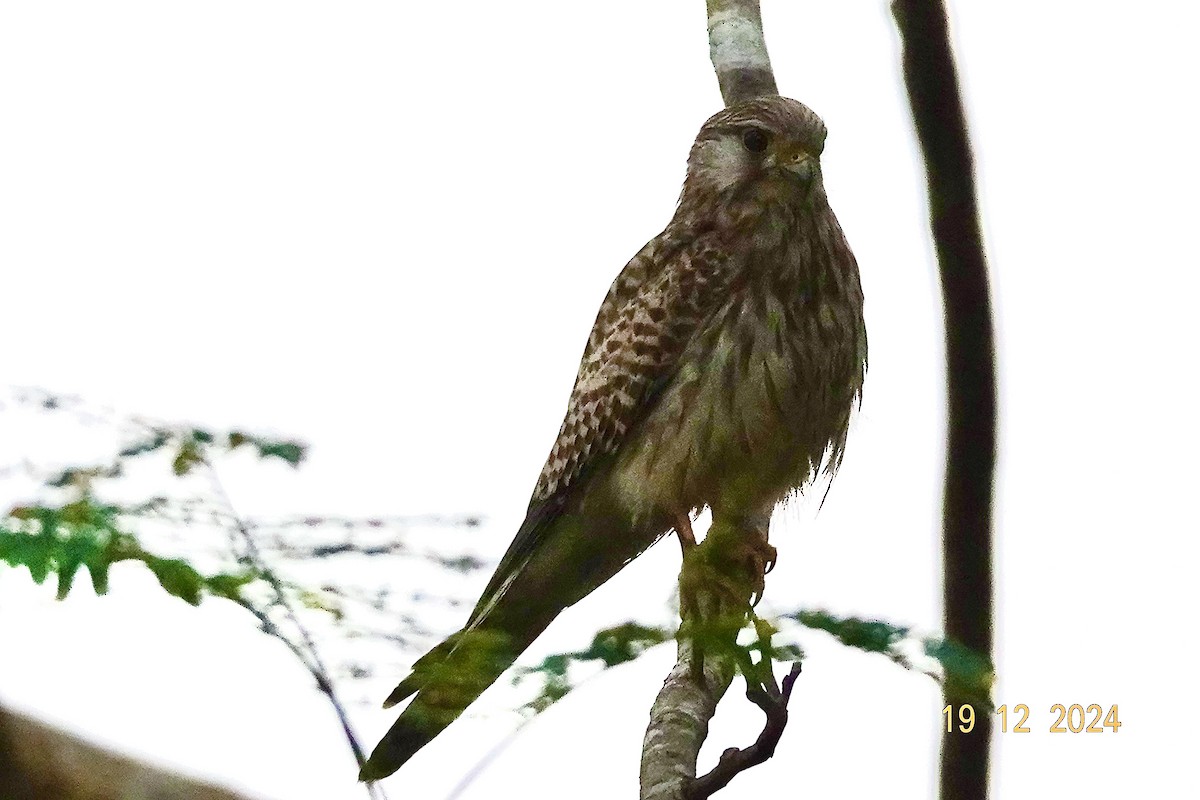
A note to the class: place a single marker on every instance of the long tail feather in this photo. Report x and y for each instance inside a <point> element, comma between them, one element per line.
<point>446,680</point>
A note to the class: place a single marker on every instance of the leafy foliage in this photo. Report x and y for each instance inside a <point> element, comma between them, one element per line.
<point>960,666</point>
<point>288,451</point>
<point>85,534</point>
<point>72,525</point>
<point>871,635</point>
<point>969,672</point>
<point>610,647</point>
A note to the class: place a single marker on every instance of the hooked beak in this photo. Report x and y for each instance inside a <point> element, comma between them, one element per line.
<point>795,160</point>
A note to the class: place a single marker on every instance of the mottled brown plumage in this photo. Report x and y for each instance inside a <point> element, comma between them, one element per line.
<point>721,372</point>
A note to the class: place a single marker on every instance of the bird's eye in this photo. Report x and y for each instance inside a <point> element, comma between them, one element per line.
<point>755,140</point>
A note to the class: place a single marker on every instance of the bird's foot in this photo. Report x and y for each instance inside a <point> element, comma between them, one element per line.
<point>720,582</point>
<point>718,589</point>
<point>727,568</point>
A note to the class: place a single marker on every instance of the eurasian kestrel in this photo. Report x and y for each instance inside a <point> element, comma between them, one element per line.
<point>721,373</point>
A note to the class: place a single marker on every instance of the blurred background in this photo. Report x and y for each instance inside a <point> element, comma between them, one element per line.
<point>384,230</point>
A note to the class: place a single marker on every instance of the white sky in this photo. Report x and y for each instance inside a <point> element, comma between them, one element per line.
<point>385,229</point>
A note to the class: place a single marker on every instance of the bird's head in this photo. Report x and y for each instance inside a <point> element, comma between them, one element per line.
<point>767,145</point>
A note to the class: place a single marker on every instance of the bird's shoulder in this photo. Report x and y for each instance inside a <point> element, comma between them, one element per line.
<point>652,311</point>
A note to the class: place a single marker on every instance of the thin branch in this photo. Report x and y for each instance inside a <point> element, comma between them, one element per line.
<point>739,50</point>
<point>773,700</point>
<point>307,652</point>
<point>931,79</point>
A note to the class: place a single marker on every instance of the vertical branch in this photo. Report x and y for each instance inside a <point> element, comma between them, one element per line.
<point>738,50</point>
<point>680,715</point>
<point>931,79</point>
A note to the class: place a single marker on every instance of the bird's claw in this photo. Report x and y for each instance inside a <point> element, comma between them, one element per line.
<point>757,558</point>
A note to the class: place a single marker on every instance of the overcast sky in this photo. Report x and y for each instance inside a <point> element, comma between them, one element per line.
<point>385,228</point>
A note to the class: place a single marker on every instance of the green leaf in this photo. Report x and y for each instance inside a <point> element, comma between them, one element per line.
<point>189,455</point>
<point>623,643</point>
<point>98,570</point>
<point>291,452</point>
<point>77,549</point>
<point>32,551</point>
<point>969,674</point>
<point>86,534</point>
<point>230,585</point>
<point>873,636</point>
<point>179,578</point>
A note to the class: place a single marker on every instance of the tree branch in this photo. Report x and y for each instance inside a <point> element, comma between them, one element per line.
<point>738,50</point>
<point>701,676</point>
<point>773,701</point>
<point>679,722</point>
<point>932,83</point>
<point>717,582</point>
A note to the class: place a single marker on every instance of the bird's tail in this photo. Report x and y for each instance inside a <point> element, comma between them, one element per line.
<point>445,680</point>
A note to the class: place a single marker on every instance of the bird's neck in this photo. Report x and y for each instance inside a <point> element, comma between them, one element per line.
<point>790,238</point>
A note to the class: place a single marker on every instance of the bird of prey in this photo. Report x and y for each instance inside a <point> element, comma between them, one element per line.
<point>721,372</point>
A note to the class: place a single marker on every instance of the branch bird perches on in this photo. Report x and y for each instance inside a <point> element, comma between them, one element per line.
<point>688,700</point>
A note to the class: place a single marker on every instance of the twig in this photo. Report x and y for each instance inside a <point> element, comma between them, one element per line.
<point>933,92</point>
<point>773,700</point>
<point>307,651</point>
